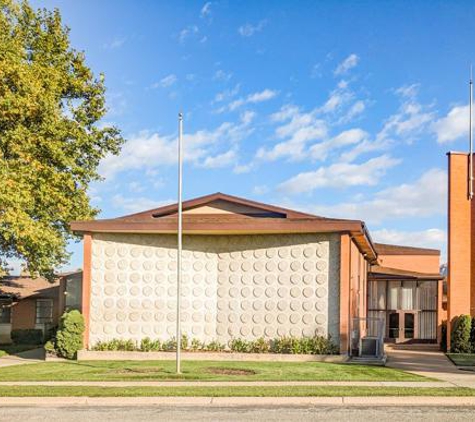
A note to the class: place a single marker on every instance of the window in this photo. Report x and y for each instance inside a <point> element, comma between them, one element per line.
<point>5,311</point>
<point>44,311</point>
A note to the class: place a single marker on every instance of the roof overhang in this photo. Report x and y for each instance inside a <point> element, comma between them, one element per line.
<point>386,273</point>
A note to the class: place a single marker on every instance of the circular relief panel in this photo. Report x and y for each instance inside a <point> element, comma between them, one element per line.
<point>108,303</point>
<point>245,305</point>
<point>122,264</point>
<point>269,318</point>
<point>147,265</point>
<point>171,330</point>
<point>220,330</point>
<point>171,317</point>
<point>308,265</point>
<point>295,332</point>
<point>147,304</point>
<point>121,303</point>
<point>270,305</point>
<point>270,253</point>
<point>147,316</point>
<point>258,291</point>
<point>234,266</point>
<point>221,305</point>
<point>221,318</point>
<point>135,277</point>
<point>295,305</point>
<point>320,319</point>
<point>283,266</point>
<point>197,317</point>
<point>269,332</point>
<point>308,279</point>
<point>122,277</point>
<point>160,278</point>
<point>234,255</point>
<point>147,291</point>
<point>282,292</point>
<point>121,290</point>
<point>321,279</point>
<point>259,253</point>
<point>308,292</point>
<point>232,331</point>
<point>295,266</point>
<point>171,291</point>
<point>122,251</point>
<point>160,291</point>
<point>281,331</point>
<point>147,278</point>
<point>245,292</point>
<point>307,332</point>
<point>321,292</point>
<point>258,266</point>
<point>197,291</point>
<point>283,279</point>
<point>108,329</point>
<point>209,266</point>
<point>222,292</point>
<point>160,253</point>
<point>296,252</point>
<point>257,305</point>
<point>295,278</point>
<point>198,304</point>
<point>210,291</point>
<point>96,290</point>
<point>198,266</point>
<point>160,265</point>
<point>270,292</point>
<point>281,318</point>
<point>294,318</point>
<point>135,252</point>
<point>196,329</point>
<point>257,331</point>
<point>270,279</point>
<point>109,277</point>
<point>283,252</point>
<point>234,292</point>
<point>134,316</point>
<point>135,265</point>
<point>245,331</point>
<point>222,266</point>
<point>307,306</point>
<point>307,319</point>
<point>233,305</point>
<point>232,318</point>
<point>172,253</point>
<point>294,292</point>
<point>258,279</point>
<point>282,305</point>
<point>271,266</point>
<point>245,318</point>
<point>246,266</point>
<point>159,316</point>
<point>120,328</point>
<point>321,265</point>
<point>234,279</point>
<point>246,279</point>
<point>110,264</point>
<point>308,252</point>
<point>246,254</point>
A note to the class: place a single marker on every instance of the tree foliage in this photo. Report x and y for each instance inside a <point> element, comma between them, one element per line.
<point>51,139</point>
<point>69,338</point>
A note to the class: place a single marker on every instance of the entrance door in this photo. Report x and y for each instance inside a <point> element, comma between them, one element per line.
<point>401,326</point>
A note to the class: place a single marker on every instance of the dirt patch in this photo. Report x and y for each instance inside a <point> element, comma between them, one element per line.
<point>230,371</point>
<point>151,370</point>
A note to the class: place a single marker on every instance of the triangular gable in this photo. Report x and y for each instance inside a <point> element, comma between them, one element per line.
<point>220,203</point>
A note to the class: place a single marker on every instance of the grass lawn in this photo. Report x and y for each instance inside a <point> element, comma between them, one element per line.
<point>201,371</point>
<point>462,359</point>
<point>304,391</point>
<point>11,349</point>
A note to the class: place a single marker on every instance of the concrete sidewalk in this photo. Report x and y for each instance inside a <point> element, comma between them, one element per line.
<point>429,362</point>
<point>168,384</point>
<point>234,401</point>
<point>21,358</point>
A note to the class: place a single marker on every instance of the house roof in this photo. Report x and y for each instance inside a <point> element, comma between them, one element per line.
<point>21,287</point>
<point>249,217</point>
<point>387,273</point>
<point>385,249</point>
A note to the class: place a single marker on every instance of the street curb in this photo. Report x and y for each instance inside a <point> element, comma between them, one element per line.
<point>233,401</point>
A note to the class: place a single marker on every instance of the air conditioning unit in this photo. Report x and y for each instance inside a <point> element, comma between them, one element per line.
<point>369,346</point>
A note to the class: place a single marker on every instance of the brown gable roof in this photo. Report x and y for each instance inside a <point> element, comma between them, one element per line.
<point>385,249</point>
<point>384,273</point>
<point>20,287</point>
<point>272,219</point>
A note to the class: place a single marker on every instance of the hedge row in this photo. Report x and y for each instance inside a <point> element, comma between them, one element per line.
<point>318,345</point>
<point>462,338</point>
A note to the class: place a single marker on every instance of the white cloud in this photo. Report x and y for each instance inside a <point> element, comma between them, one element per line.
<point>260,190</point>
<point>220,160</point>
<point>256,97</point>
<point>243,168</point>
<point>147,150</point>
<point>206,10</point>
<point>221,75</point>
<point>187,32</point>
<point>248,30</point>
<point>166,82</point>
<point>453,126</point>
<point>430,238</point>
<point>115,43</point>
<point>297,130</point>
<point>226,94</point>
<point>338,98</point>
<point>423,198</point>
<point>349,63</point>
<point>138,204</point>
<point>340,175</point>
<point>321,150</point>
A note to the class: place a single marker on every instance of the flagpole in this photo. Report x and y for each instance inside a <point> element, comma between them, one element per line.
<point>180,235</point>
<point>470,156</point>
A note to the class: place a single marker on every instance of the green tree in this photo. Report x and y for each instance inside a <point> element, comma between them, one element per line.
<point>51,137</point>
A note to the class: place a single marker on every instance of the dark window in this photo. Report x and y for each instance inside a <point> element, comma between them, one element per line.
<point>5,311</point>
<point>44,311</point>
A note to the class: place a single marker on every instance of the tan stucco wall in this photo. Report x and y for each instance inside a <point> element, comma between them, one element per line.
<point>233,286</point>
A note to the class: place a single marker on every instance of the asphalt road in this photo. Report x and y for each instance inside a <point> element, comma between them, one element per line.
<point>321,413</point>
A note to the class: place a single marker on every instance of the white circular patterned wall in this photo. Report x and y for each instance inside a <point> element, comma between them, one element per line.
<point>236,286</point>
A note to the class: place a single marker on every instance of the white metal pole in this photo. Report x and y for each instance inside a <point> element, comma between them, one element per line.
<point>180,235</point>
<point>470,156</point>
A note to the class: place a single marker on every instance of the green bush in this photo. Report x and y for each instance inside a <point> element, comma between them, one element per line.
<point>260,346</point>
<point>116,345</point>
<point>215,346</point>
<point>27,336</point>
<point>472,336</point>
<point>240,345</point>
<point>148,345</point>
<point>196,345</point>
<point>460,336</point>
<point>443,336</point>
<point>69,338</point>
<point>50,347</point>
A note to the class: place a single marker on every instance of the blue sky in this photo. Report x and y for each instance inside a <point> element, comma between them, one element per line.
<point>344,109</point>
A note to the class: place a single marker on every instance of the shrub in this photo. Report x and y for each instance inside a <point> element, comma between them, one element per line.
<point>240,345</point>
<point>184,342</point>
<point>472,336</point>
<point>260,346</point>
<point>281,345</point>
<point>460,338</point>
<point>69,338</point>
<point>169,345</point>
<point>196,345</point>
<point>115,345</point>
<point>27,336</point>
<point>50,347</point>
<point>215,346</point>
<point>443,336</point>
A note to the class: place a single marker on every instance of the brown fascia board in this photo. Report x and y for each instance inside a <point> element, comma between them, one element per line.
<point>384,273</point>
<point>355,228</point>
<point>388,249</point>
<point>202,200</point>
